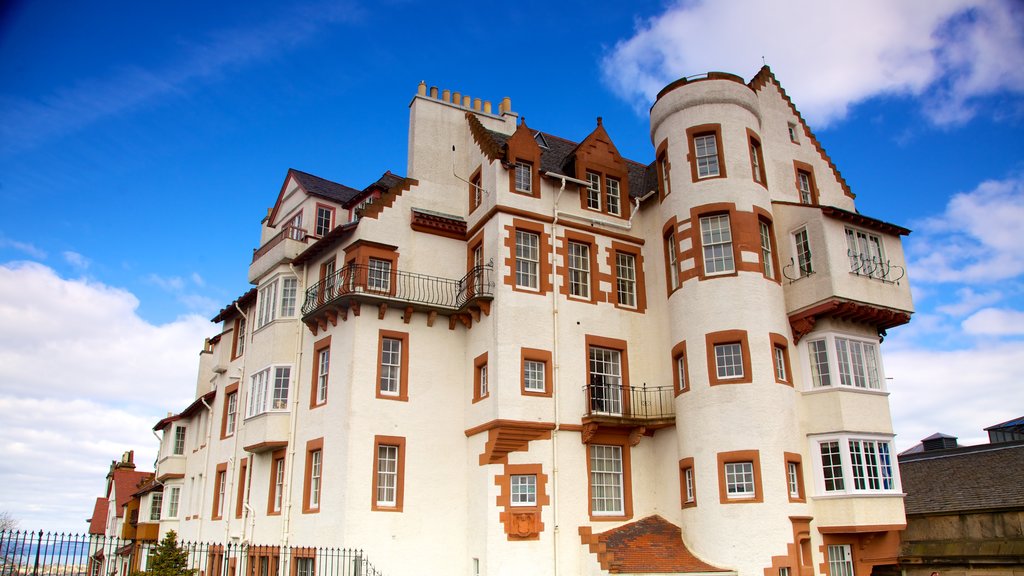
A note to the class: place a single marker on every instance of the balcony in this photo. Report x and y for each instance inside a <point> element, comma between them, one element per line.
<point>841,264</point>
<point>356,284</point>
<point>265,432</point>
<point>613,405</point>
<point>171,466</point>
<point>282,247</point>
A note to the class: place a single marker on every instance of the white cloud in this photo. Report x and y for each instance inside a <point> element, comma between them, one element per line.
<point>969,301</point>
<point>958,392</point>
<point>835,54</point>
<point>25,247</point>
<point>77,260</point>
<point>198,280</point>
<point>168,283</point>
<point>995,322</point>
<point>84,379</point>
<point>975,240</point>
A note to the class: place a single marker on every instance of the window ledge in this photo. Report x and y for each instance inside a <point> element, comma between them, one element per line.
<point>859,495</point>
<point>852,389</point>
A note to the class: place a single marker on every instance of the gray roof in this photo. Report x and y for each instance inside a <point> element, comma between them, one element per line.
<point>970,478</point>
<point>559,156</point>
<point>324,188</point>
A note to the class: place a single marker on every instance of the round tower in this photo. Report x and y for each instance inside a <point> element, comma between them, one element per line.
<point>737,420</point>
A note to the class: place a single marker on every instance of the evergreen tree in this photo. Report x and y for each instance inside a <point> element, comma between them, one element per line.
<point>169,559</point>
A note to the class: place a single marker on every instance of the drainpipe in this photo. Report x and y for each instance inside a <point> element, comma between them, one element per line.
<point>239,416</point>
<point>206,462</point>
<point>294,416</point>
<point>556,393</point>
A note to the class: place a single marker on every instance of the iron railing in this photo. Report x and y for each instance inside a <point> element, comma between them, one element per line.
<point>24,553</point>
<point>383,282</point>
<point>863,264</point>
<point>611,399</point>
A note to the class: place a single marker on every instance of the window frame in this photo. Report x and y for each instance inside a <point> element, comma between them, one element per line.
<point>705,130</point>
<point>687,484</point>
<point>178,441</point>
<point>275,493</point>
<point>313,472</point>
<point>220,481</point>
<point>402,393</point>
<point>839,558</point>
<point>264,390</point>
<point>156,506</point>
<point>230,411</point>
<point>803,171</point>
<point>845,379</point>
<point>781,366</point>
<point>728,255</point>
<point>481,385</point>
<point>173,503</point>
<point>530,270</point>
<point>594,193</point>
<point>321,373</point>
<point>664,167</point>
<point>769,265</point>
<point>515,490</point>
<point>847,484</point>
<point>378,274</point>
<point>476,192</point>
<point>625,285</point>
<point>794,477</point>
<point>321,227</point>
<point>238,338</point>
<point>680,369</point>
<point>725,337</point>
<point>396,504</point>
<point>615,456</point>
<point>539,356</point>
<point>619,347</point>
<point>519,168</point>
<point>753,457</point>
<point>578,269</point>
<point>757,168</point>
<point>855,251</point>
<point>672,271</point>
<point>804,257</point>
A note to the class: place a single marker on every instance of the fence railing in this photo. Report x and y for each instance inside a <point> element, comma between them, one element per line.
<point>379,280</point>
<point>24,553</point>
<point>288,231</point>
<point>611,399</point>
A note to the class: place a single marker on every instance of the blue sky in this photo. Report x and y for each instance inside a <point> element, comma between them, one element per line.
<point>141,144</point>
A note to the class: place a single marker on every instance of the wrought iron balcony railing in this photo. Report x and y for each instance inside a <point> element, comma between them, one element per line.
<point>873,267</point>
<point>611,400</point>
<point>377,282</point>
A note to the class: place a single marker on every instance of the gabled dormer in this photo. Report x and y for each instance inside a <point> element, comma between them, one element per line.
<point>597,161</point>
<point>522,157</point>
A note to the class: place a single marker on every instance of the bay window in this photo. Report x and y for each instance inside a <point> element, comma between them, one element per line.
<point>855,465</point>
<point>855,361</point>
<point>268,390</point>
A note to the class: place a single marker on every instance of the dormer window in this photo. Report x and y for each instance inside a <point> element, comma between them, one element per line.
<point>594,191</point>
<point>612,197</point>
<point>524,177</point>
<point>324,219</point>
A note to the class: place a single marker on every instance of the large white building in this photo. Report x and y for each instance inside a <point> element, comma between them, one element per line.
<point>535,356</point>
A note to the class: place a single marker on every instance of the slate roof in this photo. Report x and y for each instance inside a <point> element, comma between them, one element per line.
<point>558,157</point>
<point>243,301</point>
<point>1009,424</point>
<point>317,186</point>
<point>966,479</point>
<point>190,410</point>
<point>98,521</point>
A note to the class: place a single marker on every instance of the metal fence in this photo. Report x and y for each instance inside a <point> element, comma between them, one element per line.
<point>24,553</point>
<point>380,281</point>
